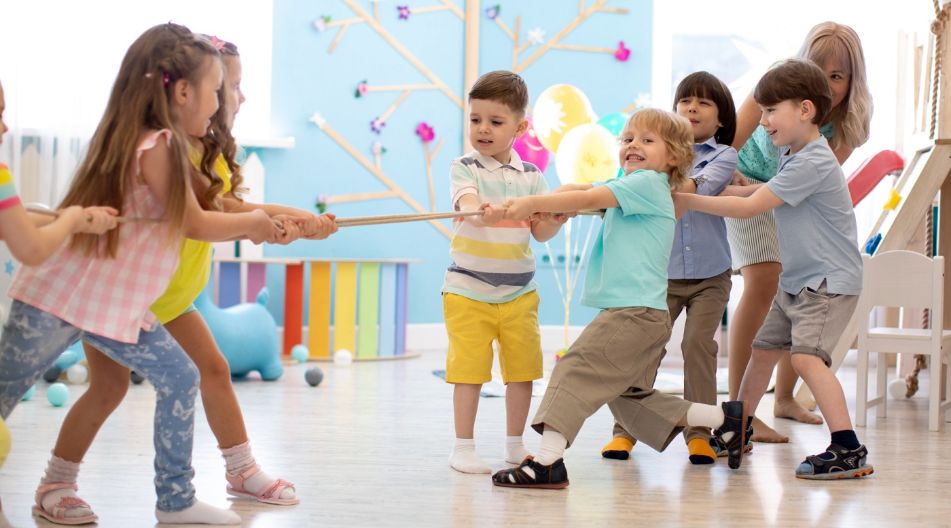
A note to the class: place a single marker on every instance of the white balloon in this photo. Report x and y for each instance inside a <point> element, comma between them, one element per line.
<point>343,357</point>
<point>77,374</point>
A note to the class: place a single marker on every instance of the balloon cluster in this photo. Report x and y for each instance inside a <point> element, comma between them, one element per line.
<point>564,124</point>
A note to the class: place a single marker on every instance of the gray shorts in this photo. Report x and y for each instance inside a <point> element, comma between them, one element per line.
<point>810,322</point>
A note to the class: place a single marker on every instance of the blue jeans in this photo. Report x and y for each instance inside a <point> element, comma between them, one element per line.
<point>33,339</point>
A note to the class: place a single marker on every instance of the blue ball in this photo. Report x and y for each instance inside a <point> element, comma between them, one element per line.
<point>300,353</point>
<point>67,359</point>
<point>57,394</point>
<point>314,376</point>
<point>29,394</point>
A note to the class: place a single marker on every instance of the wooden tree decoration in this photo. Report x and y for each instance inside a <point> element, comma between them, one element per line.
<point>470,18</point>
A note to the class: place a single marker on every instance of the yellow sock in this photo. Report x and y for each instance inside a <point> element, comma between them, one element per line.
<point>619,448</point>
<point>4,441</point>
<point>701,452</point>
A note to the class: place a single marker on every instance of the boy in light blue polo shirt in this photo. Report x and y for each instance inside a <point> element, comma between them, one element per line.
<point>822,267</point>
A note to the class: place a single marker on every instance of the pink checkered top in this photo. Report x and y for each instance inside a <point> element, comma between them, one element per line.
<point>105,296</point>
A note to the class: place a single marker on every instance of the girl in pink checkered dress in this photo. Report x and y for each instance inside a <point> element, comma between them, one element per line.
<point>100,288</point>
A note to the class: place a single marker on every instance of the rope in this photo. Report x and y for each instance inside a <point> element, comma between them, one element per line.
<point>911,381</point>
<point>942,15</point>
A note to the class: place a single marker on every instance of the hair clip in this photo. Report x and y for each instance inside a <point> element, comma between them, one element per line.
<point>166,79</point>
<point>217,43</point>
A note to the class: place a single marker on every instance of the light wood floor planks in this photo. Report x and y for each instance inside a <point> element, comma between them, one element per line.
<point>369,447</point>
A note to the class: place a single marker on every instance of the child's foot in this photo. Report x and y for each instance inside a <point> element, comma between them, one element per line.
<point>258,485</point>
<point>515,452</point>
<point>58,503</point>
<point>790,409</point>
<point>198,513</point>
<point>466,461</point>
<point>766,434</point>
<point>531,474</point>
<point>619,448</point>
<point>732,434</point>
<point>701,452</point>
<point>720,449</point>
<point>836,463</point>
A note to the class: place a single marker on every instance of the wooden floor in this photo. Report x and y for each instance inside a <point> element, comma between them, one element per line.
<point>369,447</point>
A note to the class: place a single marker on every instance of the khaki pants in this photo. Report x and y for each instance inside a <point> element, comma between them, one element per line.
<point>705,300</point>
<point>614,362</point>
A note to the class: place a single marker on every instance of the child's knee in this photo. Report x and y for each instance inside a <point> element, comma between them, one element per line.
<point>107,394</point>
<point>215,370</point>
<point>803,361</point>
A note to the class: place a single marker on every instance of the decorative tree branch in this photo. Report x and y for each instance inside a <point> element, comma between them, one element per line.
<point>584,12</point>
<point>398,191</point>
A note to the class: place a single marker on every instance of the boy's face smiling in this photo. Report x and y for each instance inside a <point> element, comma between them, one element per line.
<point>643,150</point>
<point>493,128</point>
<point>789,123</point>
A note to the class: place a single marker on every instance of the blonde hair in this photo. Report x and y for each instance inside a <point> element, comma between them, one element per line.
<point>140,101</point>
<point>840,43</point>
<point>677,135</point>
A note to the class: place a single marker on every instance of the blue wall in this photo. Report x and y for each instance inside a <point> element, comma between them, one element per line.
<point>306,79</point>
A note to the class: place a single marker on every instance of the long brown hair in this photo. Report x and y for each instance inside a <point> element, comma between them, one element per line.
<point>140,101</point>
<point>219,141</point>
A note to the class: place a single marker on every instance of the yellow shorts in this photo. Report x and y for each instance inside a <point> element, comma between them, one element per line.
<point>473,325</point>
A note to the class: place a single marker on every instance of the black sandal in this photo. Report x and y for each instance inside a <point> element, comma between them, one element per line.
<point>836,463</point>
<point>720,449</point>
<point>554,476</point>
<point>732,423</point>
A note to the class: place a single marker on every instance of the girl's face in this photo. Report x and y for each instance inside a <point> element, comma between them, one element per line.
<point>233,97</point>
<point>703,115</point>
<point>643,150</point>
<point>839,80</point>
<point>3,124</point>
<point>195,104</point>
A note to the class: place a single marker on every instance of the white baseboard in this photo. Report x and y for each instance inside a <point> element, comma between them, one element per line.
<point>428,337</point>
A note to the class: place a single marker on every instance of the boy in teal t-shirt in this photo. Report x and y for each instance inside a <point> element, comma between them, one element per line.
<point>615,359</point>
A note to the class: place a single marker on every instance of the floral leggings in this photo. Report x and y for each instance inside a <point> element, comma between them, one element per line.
<point>33,339</point>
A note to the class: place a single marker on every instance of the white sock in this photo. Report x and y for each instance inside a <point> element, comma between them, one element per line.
<point>239,459</point>
<point>551,448</point>
<point>703,415</point>
<point>515,451</point>
<point>198,513</point>
<point>60,470</point>
<point>464,459</point>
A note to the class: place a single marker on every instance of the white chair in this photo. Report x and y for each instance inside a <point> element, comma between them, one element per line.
<point>902,279</point>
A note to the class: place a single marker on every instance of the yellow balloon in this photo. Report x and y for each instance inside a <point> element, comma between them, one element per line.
<point>557,110</point>
<point>588,154</point>
<point>4,441</point>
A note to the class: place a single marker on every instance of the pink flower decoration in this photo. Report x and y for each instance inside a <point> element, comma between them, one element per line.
<point>622,53</point>
<point>361,89</point>
<point>403,12</point>
<point>425,132</point>
<point>376,126</point>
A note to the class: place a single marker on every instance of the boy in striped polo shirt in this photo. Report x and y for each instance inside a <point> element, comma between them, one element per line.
<point>488,293</point>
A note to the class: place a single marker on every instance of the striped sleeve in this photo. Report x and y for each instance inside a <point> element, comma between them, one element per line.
<point>8,193</point>
<point>461,182</point>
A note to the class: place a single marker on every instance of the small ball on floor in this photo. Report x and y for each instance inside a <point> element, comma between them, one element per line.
<point>314,376</point>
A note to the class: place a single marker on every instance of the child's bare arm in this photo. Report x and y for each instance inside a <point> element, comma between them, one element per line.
<point>730,206</point>
<point>599,197</point>
<point>312,227</point>
<point>199,224</point>
<point>32,244</point>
